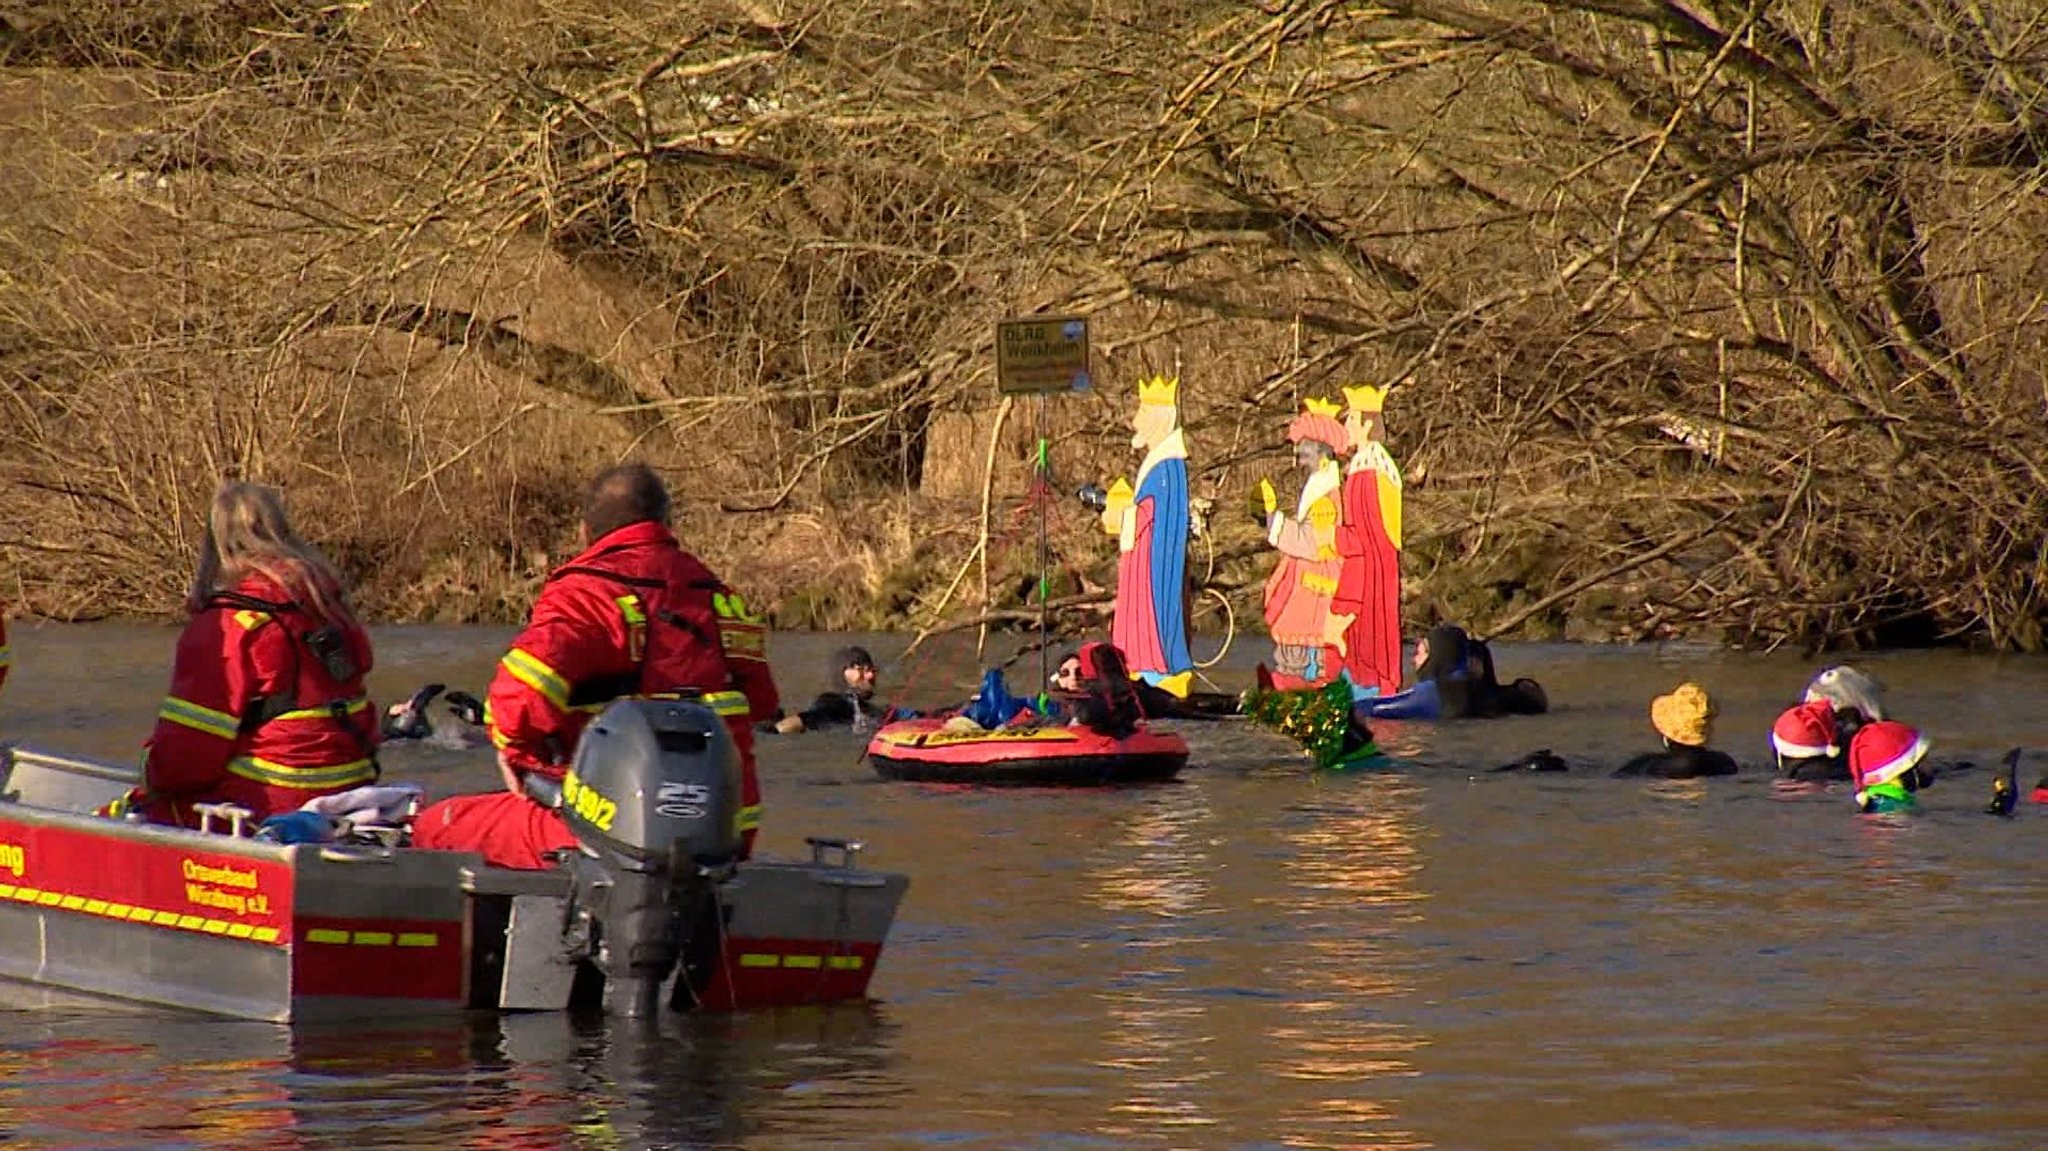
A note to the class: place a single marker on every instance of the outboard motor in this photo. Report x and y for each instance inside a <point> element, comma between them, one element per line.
<point>654,798</point>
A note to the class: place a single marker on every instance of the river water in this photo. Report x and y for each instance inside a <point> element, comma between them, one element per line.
<point>1426,957</point>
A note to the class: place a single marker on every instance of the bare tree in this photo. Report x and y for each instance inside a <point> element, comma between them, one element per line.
<point>1710,316</point>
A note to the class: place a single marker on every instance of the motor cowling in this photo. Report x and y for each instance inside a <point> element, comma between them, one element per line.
<point>653,796</point>
<point>655,781</point>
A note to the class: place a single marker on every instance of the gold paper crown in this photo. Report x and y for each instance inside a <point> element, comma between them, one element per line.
<point>1158,390</point>
<point>1365,398</point>
<point>1330,408</point>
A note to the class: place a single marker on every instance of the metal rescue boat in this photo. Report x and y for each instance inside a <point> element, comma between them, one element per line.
<point>652,913</point>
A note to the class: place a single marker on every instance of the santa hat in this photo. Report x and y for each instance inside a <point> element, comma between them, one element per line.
<point>1806,732</point>
<point>1884,751</point>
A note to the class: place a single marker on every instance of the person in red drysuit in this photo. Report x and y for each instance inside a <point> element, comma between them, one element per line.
<point>266,707</point>
<point>633,616</point>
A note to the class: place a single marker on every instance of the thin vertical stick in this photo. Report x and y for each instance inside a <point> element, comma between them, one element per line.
<point>988,486</point>
<point>1043,493</point>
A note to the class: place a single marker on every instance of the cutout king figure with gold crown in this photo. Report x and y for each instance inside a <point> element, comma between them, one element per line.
<point>1366,610</point>
<point>1151,524</point>
<point>1298,592</point>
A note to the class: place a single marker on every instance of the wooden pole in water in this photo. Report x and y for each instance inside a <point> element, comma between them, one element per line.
<point>1044,495</point>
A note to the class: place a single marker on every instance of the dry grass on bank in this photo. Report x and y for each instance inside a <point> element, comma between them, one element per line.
<point>1703,319</point>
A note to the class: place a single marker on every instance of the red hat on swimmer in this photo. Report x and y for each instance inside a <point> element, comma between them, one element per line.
<point>1884,751</point>
<point>1806,732</point>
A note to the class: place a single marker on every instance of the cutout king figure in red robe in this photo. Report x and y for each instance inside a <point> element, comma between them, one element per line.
<point>1366,610</point>
<point>1299,590</point>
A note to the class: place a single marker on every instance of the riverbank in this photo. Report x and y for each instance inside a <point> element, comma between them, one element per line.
<point>1673,346</point>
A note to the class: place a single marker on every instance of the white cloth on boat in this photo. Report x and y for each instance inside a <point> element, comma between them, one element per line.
<point>372,803</point>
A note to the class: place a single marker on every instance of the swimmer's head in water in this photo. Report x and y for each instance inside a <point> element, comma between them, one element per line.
<point>1848,690</point>
<point>409,720</point>
<point>1807,731</point>
<point>1886,752</point>
<point>855,668</point>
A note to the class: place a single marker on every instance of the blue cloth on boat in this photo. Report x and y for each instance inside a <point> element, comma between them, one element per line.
<point>297,827</point>
<point>992,705</point>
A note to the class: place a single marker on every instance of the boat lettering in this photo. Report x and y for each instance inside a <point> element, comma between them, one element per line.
<point>584,800</point>
<point>13,859</point>
<point>225,876</point>
<point>224,888</point>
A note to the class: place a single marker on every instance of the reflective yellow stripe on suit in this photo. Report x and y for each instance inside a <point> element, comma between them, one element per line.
<point>185,713</point>
<point>524,667</point>
<point>355,707</point>
<point>276,774</point>
<point>750,817</point>
<point>6,657</point>
<point>727,703</point>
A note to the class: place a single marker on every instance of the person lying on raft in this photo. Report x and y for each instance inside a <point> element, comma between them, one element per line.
<point>1685,720</point>
<point>1454,679</point>
<point>850,702</point>
<point>1154,701</point>
<point>1103,698</point>
<point>1107,702</point>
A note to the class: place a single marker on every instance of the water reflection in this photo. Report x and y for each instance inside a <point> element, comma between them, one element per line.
<point>1250,960</point>
<point>1157,876</point>
<point>521,1082</point>
<point>1354,902</point>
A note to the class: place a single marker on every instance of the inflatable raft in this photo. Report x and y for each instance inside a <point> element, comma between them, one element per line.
<point>921,750</point>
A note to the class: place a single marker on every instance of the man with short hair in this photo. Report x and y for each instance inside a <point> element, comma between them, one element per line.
<point>632,616</point>
<point>850,702</point>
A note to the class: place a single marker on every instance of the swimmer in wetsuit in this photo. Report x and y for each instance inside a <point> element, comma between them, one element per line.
<point>850,702</point>
<point>1887,763</point>
<point>1454,679</point>
<point>1685,721</point>
<point>1809,745</point>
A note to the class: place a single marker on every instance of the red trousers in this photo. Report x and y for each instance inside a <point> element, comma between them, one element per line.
<point>507,830</point>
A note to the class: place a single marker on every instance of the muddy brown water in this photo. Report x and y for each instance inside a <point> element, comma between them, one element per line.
<point>1427,956</point>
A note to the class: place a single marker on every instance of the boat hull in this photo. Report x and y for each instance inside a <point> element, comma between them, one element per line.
<point>924,751</point>
<point>231,926</point>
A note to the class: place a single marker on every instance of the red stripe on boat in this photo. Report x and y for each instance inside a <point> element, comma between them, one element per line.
<point>378,959</point>
<point>786,972</point>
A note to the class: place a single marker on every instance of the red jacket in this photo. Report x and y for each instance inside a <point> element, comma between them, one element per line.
<point>634,615</point>
<point>251,717</point>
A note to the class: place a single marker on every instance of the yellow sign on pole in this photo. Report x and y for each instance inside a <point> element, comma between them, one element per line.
<point>1042,354</point>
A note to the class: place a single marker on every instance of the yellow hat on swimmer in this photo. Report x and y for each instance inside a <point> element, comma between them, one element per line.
<point>1686,716</point>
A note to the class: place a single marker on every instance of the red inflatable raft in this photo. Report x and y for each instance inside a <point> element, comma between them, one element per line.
<point>921,750</point>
